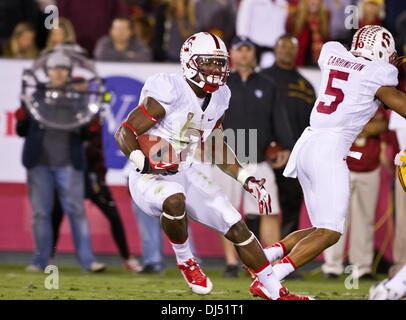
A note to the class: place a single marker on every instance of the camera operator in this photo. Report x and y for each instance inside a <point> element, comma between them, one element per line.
<point>54,160</point>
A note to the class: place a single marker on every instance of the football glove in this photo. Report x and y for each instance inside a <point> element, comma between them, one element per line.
<point>257,189</point>
<point>145,166</point>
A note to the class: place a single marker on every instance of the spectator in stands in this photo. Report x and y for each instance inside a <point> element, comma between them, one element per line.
<point>54,160</point>
<point>175,22</point>
<point>263,22</point>
<point>294,102</point>
<point>22,43</point>
<point>97,191</point>
<point>251,107</point>
<point>91,18</point>
<point>217,17</point>
<point>64,34</point>
<point>121,46</point>
<point>14,12</point>
<point>372,12</point>
<point>365,182</point>
<point>309,23</point>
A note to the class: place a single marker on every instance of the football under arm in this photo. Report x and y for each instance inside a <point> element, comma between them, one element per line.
<point>393,99</point>
<point>139,121</point>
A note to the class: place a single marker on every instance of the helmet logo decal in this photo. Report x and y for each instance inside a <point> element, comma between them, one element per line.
<point>386,40</point>
<point>188,43</point>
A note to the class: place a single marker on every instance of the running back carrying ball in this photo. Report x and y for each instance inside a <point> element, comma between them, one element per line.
<point>156,155</point>
<point>173,107</point>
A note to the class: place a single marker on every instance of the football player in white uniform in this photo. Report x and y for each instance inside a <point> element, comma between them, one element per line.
<point>185,111</point>
<point>352,82</point>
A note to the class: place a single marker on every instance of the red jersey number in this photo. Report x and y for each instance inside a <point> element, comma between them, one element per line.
<point>332,91</point>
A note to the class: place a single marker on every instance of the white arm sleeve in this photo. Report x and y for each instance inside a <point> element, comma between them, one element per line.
<point>327,49</point>
<point>386,75</point>
<point>161,88</point>
<point>322,55</point>
<point>226,97</point>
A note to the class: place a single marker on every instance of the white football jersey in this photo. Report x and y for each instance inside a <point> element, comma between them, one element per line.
<point>346,100</point>
<point>185,124</point>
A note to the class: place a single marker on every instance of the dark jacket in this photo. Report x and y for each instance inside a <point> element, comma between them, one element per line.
<point>251,107</point>
<point>294,103</point>
<point>95,162</point>
<point>33,131</point>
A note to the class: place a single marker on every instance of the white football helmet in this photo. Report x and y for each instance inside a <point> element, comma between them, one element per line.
<point>375,43</point>
<point>205,61</point>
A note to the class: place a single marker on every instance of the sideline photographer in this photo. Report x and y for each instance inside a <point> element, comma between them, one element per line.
<point>54,159</point>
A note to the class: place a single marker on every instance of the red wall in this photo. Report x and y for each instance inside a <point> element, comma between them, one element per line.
<point>16,232</point>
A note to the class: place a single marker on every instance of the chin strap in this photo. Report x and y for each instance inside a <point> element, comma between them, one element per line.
<point>208,88</point>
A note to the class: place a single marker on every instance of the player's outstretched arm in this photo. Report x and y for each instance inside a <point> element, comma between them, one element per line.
<point>393,99</point>
<point>377,125</point>
<point>139,121</point>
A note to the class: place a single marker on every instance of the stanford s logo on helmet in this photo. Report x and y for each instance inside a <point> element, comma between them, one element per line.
<point>205,61</point>
<point>374,43</point>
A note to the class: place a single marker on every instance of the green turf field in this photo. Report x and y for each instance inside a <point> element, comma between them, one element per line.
<point>15,283</point>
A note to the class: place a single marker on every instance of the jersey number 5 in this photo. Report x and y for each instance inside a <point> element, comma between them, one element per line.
<point>335,92</point>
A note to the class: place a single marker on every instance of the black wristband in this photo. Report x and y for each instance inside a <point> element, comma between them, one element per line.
<point>146,168</point>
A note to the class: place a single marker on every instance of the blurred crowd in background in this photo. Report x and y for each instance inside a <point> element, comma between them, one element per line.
<point>154,30</point>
